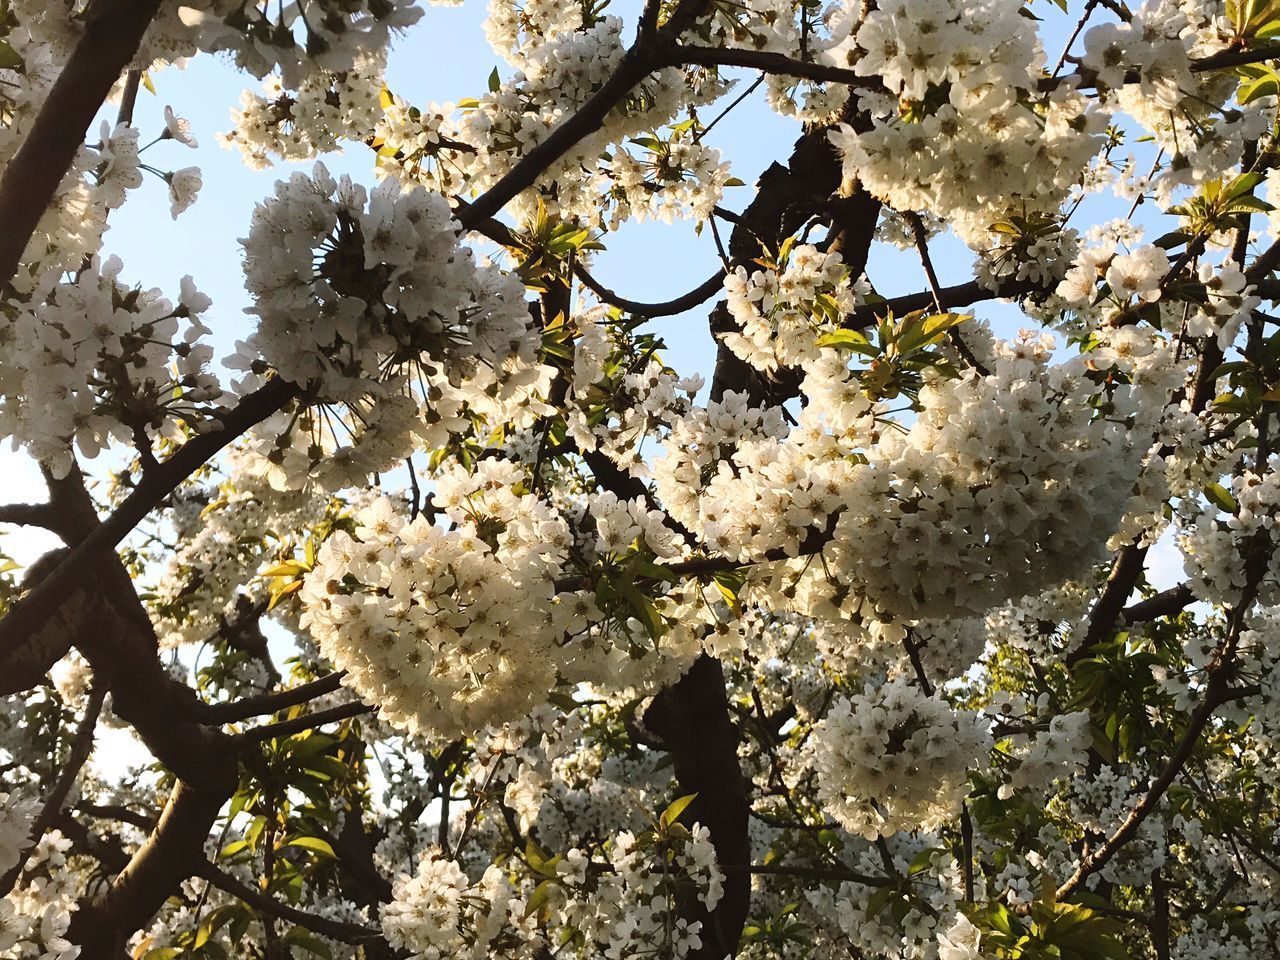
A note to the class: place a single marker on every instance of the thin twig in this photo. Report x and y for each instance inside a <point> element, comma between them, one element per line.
<point>698,295</point>
<point>306,722</point>
<point>333,929</point>
<point>922,248</point>
<point>81,747</point>
<point>808,873</point>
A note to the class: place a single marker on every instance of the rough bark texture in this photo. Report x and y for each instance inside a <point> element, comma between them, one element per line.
<point>692,719</point>
<point>113,30</point>
<point>692,716</point>
<point>102,925</point>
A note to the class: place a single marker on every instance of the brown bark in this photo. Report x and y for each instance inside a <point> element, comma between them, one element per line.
<point>692,719</point>
<point>170,855</point>
<point>113,29</point>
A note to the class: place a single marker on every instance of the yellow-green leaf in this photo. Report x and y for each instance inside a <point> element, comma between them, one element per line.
<point>675,808</point>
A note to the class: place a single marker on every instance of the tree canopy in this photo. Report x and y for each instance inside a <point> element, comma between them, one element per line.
<point>461,618</point>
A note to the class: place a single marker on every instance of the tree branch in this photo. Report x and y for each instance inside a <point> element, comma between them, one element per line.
<point>333,929</point>
<point>692,719</point>
<point>81,747</point>
<point>30,515</point>
<point>286,727</point>
<point>112,31</point>
<point>635,65</point>
<point>808,873</point>
<point>1125,571</point>
<point>101,926</point>
<point>30,613</point>
<point>921,237</point>
<point>775,63</point>
<point>248,707</point>
<point>1163,604</point>
<point>1215,696</point>
<point>960,295</point>
<point>699,294</point>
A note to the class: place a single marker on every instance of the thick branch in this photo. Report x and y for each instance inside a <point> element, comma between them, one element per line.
<point>636,64</point>
<point>1163,604</point>
<point>1124,576</point>
<point>692,719</point>
<point>1217,61</point>
<point>103,925</point>
<point>258,706</point>
<point>29,515</point>
<point>960,295</point>
<point>112,31</point>
<point>29,614</point>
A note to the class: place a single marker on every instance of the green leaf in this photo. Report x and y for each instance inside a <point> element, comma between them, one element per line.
<point>1220,497</point>
<point>877,901</point>
<point>675,808</point>
<point>1175,238</point>
<point>313,843</point>
<point>926,331</point>
<point>308,941</point>
<point>495,83</point>
<point>734,182</point>
<point>9,57</point>
<point>290,568</point>
<point>539,897</point>
<point>922,861</point>
<point>214,921</point>
<point>644,608</point>
<point>843,339</point>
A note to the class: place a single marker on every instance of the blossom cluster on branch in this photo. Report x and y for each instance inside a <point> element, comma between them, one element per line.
<point>458,616</point>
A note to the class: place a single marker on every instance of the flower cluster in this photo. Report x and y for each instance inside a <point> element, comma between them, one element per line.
<point>16,816</point>
<point>298,124</point>
<point>619,399</point>
<point>959,530</point>
<point>329,35</point>
<point>1144,65</point>
<point>35,915</point>
<point>446,630</point>
<point>1055,752</point>
<point>556,74</point>
<point>619,905</point>
<point>968,513</point>
<point>972,137</point>
<point>678,180</point>
<point>439,913</point>
<point>896,759</point>
<point>96,361</point>
<point>783,310</point>
<point>1218,554</point>
<point>347,296</point>
<point>220,532</point>
<point>380,310</point>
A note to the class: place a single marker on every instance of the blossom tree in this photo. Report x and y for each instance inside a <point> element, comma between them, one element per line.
<point>519,642</point>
